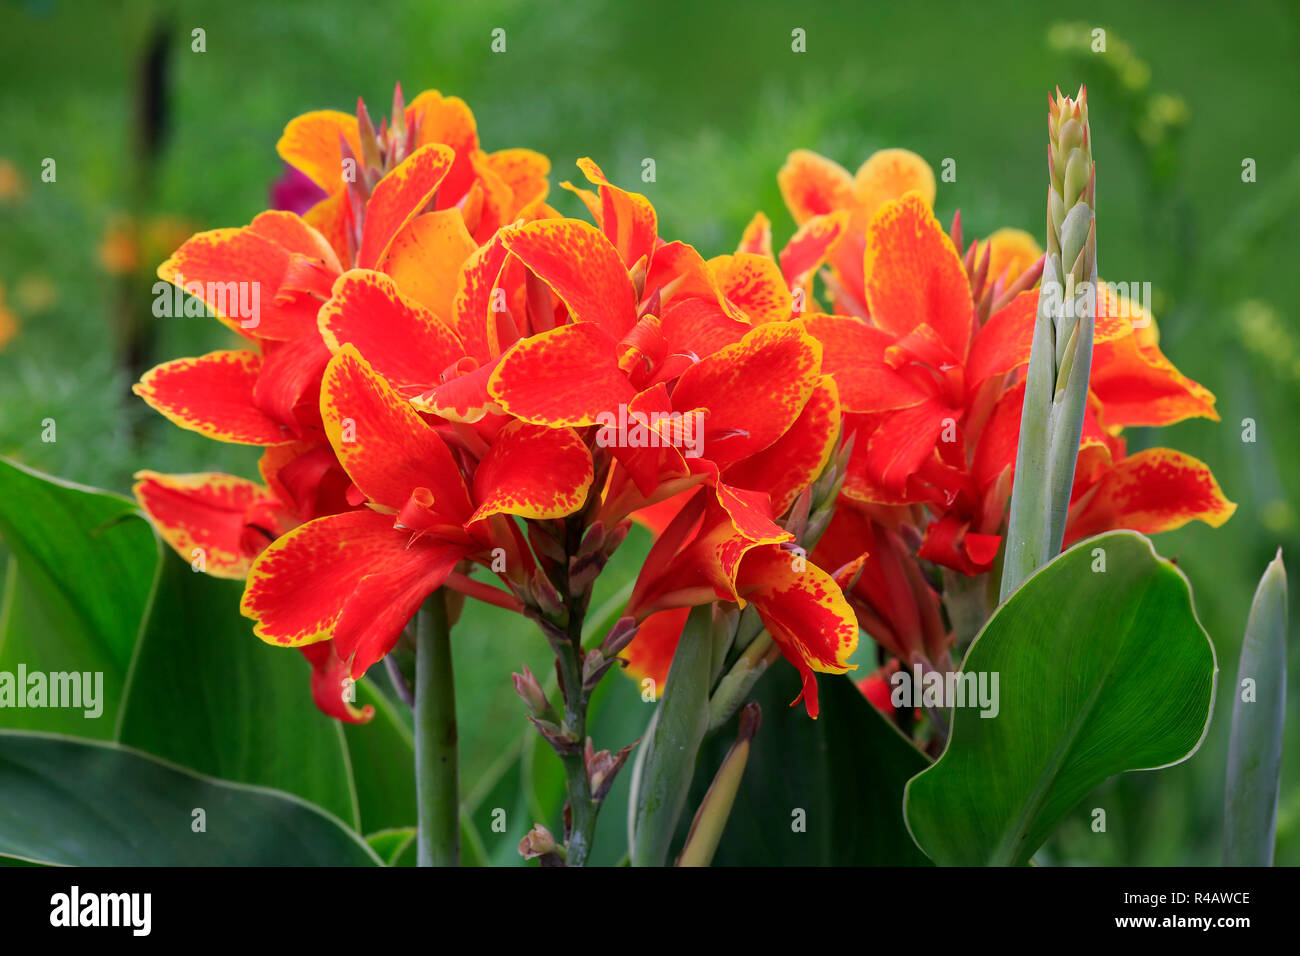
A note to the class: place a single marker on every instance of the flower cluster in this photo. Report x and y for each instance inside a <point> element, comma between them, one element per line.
<point>447,377</point>
<point>457,388</point>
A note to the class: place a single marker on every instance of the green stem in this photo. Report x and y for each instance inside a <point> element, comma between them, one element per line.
<point>582,809</point>
<point>436,773</point>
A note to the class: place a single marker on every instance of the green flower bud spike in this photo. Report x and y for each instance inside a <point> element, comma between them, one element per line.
<point>1060,362</point>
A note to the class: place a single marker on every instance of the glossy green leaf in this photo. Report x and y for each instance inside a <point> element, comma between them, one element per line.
<point>1258,716</point>
<point>825,792</point>
<point>83,803</point>
<point>1102,667</point>
<point>81,572</point>
<point>205,693</point>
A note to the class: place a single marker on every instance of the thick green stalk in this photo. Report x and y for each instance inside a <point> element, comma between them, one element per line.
<point>577,781</point>
<point>1060,361</point>
<point>436,769</point>
<point>673,745</point>
<point>1255,745</point>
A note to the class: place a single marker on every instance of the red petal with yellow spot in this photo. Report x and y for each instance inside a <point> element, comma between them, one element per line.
<point>297,235</point>
<point>1137,385</point>
<point>401,339</point>
<point>230,267</point>
<point>288,386</point>
<point>386,599</point>
<point>567,376</point>
<point>1004,343</point>
<point>310,143</point>
<point>905,439</point>
<point>524,171</point>
<point>298,588</point>
<point>627,219</point>
<point>331,218</point>
<point>794,460</point>
<point>425,259</point>
<point>1155,490</point>
<point>755,285</point>
<point>400,197</point>
<point>915,277</point>
<point>218,520</point>
<point>582,267</point>
<point>650,455</point>
<point>753,390</point>
<point>805,612</point>
<point>699,327</point>
<point>757,237</point>
<point>810,247</point>
<point>448,120</point>
<point>854,354</point>
<point>472,306</point>
<point>890,174</point>
<point>387,449</point>
<point>212,395</point>
<point>463,397</point>
<point>533,472</point>
<point>813,185</point>
<point>650,655</point>
<point>332,686</point>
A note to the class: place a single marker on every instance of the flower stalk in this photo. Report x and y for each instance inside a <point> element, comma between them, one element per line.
<point>436,759</point>
<point>1056,383</point>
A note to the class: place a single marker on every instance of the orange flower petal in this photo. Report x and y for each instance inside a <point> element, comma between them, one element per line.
<point>755,285</point>
<point>854,354</point>
<point>401,339</point>
<point>914,276</point>
<point>626,218</point>
<point>211,516</point>
<point>426,257</point>
<point>400,197</point>
<point>751,391</point>
<point>1137,385</point>
<point>582,267</point>
<point>887,175</point>
<point>212,395</point>
<point>813,185</point>
<point>567,376</point>
<point>524,171</point>
<point>810,247</point>
<point>447,120</point>
<point>805,612</point>
<point>757,237</point>
<point>533,472</point>
<point>387,449</point>
<point>794,460</point>
<point>650,655</point>
<point>331,684</point>
<point>300,586</point>
<point>1155,490</point>
<point>310,143</point>
<point>226,268</point>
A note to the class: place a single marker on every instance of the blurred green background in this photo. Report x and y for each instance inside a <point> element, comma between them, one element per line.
<point>1183,94</point>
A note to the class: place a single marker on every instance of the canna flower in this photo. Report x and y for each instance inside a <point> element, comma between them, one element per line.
<point>356,578</point>
<point>932,392</point>
<point>406,207</point>
<point>610,329</point>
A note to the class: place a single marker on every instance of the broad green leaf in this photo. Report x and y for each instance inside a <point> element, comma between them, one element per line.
<point>80,576</point>
<point>382,756</point>
<point>1102,667</point>
<point>205,693</point>
<point>83,803</point>
<point>1258,715</point>
<point>825,792</point>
